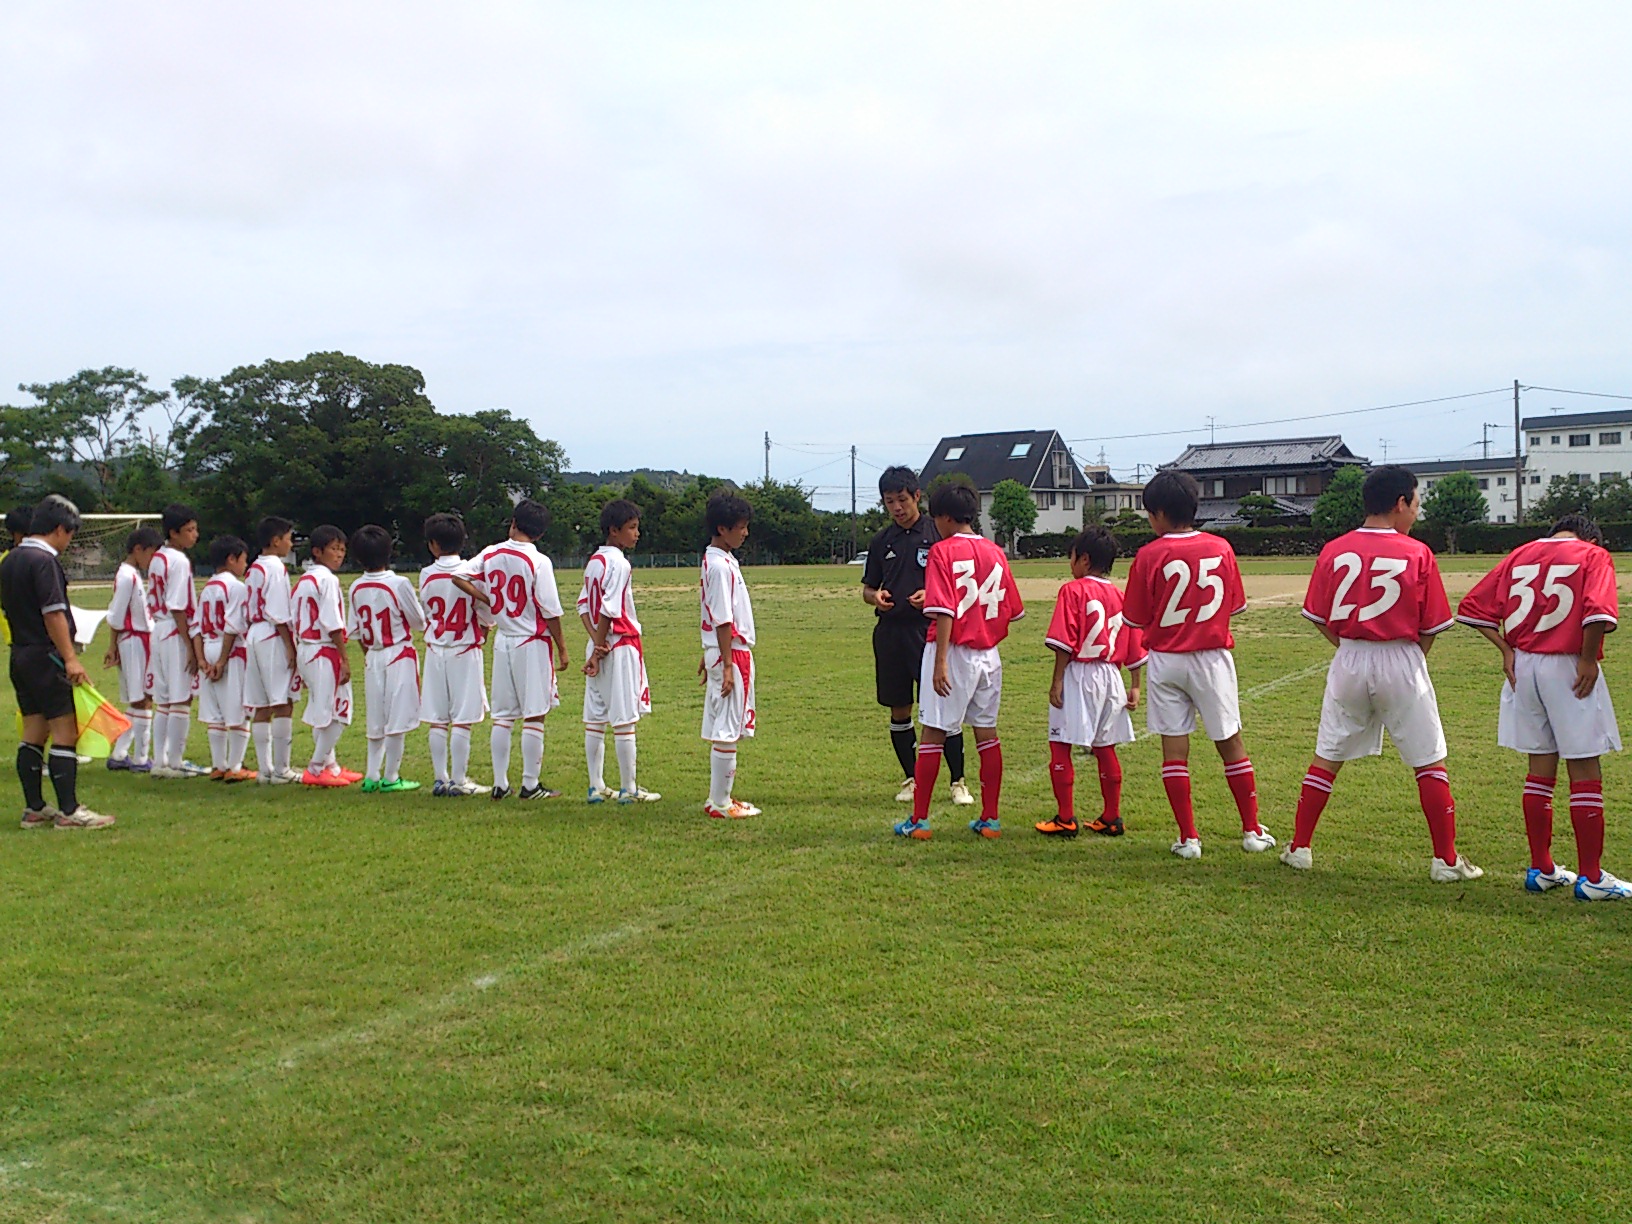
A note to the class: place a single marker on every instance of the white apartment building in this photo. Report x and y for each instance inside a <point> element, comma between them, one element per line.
<point>1496,481</point>
<point>1584,446</point>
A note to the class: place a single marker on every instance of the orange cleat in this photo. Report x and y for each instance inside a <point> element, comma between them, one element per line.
<point>322,779</point>
<point>1057,827</point>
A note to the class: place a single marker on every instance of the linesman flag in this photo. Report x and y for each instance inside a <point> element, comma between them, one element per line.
<point>100,722</point>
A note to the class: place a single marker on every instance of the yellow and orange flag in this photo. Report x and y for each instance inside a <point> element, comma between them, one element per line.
<point>100,722</point>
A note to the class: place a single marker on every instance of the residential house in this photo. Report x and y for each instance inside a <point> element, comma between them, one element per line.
<point>1038,458</point>
<point>1112,496</point>
<point>1496,479</point>
<point>1293,471</point>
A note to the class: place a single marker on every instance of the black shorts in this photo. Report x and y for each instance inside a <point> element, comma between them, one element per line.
<point>41,684</point>
<point>898,653</point>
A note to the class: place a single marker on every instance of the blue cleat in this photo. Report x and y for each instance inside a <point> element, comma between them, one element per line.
<point>1605,888</point>
<point>986,828</point>
<point>1536,880</point>
<point>918,830</point>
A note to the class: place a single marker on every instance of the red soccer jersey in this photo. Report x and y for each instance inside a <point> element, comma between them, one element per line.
<point>1089,626</point>
<point>1544,594</point>
<point>1375,584</point>
<point>1182,590</point>
<point>967,578</point>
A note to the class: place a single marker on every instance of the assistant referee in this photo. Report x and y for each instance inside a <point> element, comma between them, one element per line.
<point>892,581</point>
<point>45,667</point>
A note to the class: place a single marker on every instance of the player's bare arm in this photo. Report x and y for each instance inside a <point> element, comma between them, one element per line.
<point>943,642</point>
<point>1586,663</point>
<point>1133,689</point>
<point>111,658</point>
<point>1330,634</point>
<point>56,628</point>
<point>288,637</point>
<point>228,643</point>
<point>1494,637</point>
<point>1426,642</point>
<point>724,635</point>
<point>183,628</point>
<point>1056,686</point>
<point>916,599</point>
<point>338,638</point>
<point>879,598</point>
<point>552,624</point>
<point>474,591</point>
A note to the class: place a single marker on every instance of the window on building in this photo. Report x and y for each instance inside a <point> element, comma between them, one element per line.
<point>1062,469</point>
<point>1070,501</point>
<point>1019,450</point>
<point>1218,488</point>
<point>953,453</point>
<point>1535,478</point>
<point>1581,477</point>
<point>1555,440</point>
<point>1501,482</point>
<point>1603,476</point>
<point>1535,439</point>
<point>1501,518</point>
<point>1613,438</point>
<point>1045,499</point>
<point>1099,501</point>
<point>1285,486</point>
<point>1484,482</point>
<point>1580,439</point>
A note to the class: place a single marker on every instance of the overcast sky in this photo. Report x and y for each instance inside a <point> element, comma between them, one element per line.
<point>659,230</point>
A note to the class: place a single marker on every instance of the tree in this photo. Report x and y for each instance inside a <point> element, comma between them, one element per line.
<point>1255,507</point>
<point>1340,508</point>
<point>95,415</point>
<point>483,462</point>
<point>1014,511</point>
<point>1564,495</point>
<point>1453,502</point>
<point>27,436</point>
<point>785,525</point>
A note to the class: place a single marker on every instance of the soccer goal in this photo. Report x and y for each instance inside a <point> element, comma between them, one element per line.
<point>98,546</point>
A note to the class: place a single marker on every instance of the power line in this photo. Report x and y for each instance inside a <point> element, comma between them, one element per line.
<point>1566,391</point>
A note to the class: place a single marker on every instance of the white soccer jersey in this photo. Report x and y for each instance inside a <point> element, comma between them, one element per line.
<point>127,610</point>
<point>608,591</point>
<point>520,581</point>
<point>169,590</point>
<point>319,609</point>
<point>385,612</point>
<point>451,619</point>
<point>267,585</point>
<point>725,600</point>
<point>222,609</point>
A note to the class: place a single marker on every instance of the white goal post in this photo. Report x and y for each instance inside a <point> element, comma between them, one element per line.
<point>98,546</point>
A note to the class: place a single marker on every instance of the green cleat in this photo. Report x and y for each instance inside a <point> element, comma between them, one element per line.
<point>396,786</point>
<point>370,785</point>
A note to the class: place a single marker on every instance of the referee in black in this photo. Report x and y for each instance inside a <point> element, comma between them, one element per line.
<point>893,582</point>
<point>45,667</point>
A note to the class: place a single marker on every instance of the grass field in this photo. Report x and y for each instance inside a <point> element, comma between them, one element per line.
<point>251,1004</point>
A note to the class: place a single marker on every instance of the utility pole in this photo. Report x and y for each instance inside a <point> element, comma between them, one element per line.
<point>1484,437</point>
<point>1518,460</point>
<point>1212,436</point>
<point>1383,442</point>
<point>852,501</point>
<point>767,458</point>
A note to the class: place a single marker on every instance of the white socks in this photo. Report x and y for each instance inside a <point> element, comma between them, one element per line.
<point>237,745</point>
<point>161,741</point>
<point>439,753</point>
<point>175,737</point>
<point>595,755</point>
<point>623,743</point>
<point>283,742</point>
<point>376,755</point>
<point>218,747</point>
<point>532,754</point>
<point>324,741</point>
<point>722,772</point>
<point>261,732</point>
<point>394,744</point>
<point>459,754</point>
<point>136,743</point>
<point>501,754</point>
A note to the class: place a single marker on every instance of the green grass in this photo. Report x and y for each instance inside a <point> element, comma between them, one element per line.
<point>278,1005</point>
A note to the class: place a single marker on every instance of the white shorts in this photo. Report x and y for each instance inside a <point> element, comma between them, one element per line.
<point>327,700</point>
<point>453,688</point>
<point>221,702</point>
<point>523,677</point>
<point>1178,687</point>
<point>1095,713</point>
<point>1545,716</point>
<point>168,678</point>
<point>268,676</point>
<point>135,662</point>
<point>1373,685</point>
<point>730,718</point>
<point>618,692</point>
<point>977,689</point>
<point>390,691</point>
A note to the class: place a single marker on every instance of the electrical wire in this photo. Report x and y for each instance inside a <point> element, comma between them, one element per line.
<point>1566,391</point>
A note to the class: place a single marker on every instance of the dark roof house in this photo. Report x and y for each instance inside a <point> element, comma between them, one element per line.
<point>1293,471</point>
<point>1037,458</point>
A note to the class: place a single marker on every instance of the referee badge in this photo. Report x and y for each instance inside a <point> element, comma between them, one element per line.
<point>923,557</point>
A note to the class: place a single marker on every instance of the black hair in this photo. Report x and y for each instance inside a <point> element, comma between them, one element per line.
<point>1385,486</point>
<point>55,511</point>
<point>446,531</point>
<point>176,516</point>
<point>955,500</point>
<point>270,528</point>
<point>898,479</point>
<point>142,537</point>
<point>1098,545</point>
<point>1175,495</point>
<point>530,518</point>
<point>1581,525</point>
<point>223,548</point>
<point>725,510</point>
<point>323,536</point>
<point>372,545</point>
<point>19,519</point>
<point>618,513</point>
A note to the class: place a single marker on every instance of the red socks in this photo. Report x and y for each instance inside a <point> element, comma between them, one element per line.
<point>1062,775</point>
<point>1317,789</point>
<point>1434,793</point>
<point>1244,786</point>
<point>1538,820</point>
<point>925,770</point>
<point>991,776</point>
<point>1587,816</point>
<point>1110,781</point>
<point>1176,782</point>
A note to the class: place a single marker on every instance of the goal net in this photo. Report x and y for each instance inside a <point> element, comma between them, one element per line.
<point>98,546</point>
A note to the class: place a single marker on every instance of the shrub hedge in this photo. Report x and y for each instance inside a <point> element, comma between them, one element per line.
<point>1308,541</point>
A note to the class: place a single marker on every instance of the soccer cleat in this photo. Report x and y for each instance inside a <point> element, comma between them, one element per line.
<point>464,790</point>
<point>439,789</point>
<point>986,828</point>
<point>1302,858</point>
<point>731,811</point>
<point>960,794</point>
<point>397,786</point>
<point>43,818</point>
<point>240,775</point>
<point>1189,848</point>
<point>1605,888</point>
<point>350,775</point>
<point>322,779</point>
<point>118,763</point>
<point>282,777</point>
<point>500,792</point>
<point>164,771</point>
<point>189,770</point>
<point>908,788</point>
<point>600,794</point>
<point>1441,872</point>
<point>1057,826</point>
<point>1257,841</point>
<point>1537,880</point>
<point>538,792</point>
<point>1107,828</point>
<point>370,785</point>
<point>639,795</point>
<point>82,818</point>
<point>140,767</point>
<point>218,775</point>
<point>918,830</point>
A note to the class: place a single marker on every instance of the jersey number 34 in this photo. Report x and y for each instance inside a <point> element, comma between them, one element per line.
<point>989,592</point>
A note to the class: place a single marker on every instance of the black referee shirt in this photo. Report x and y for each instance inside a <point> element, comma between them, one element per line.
<point>32,583</point>
<point>895,563</point>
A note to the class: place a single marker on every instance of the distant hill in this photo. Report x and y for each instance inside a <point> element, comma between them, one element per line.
<point>663,479</point>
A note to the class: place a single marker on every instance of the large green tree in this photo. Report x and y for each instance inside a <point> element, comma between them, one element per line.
<point>94,422</point>
<point>1453,502</point>
<point>1014,511</point>
<point>1340,507</point>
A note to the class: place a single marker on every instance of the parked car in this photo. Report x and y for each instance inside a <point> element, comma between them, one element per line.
<point>860,558</point>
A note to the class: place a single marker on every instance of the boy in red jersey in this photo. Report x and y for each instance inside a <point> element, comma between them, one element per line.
<point>1547,607</point>
<point>1183,587</point>
<point>1377,596</point>
<point>971,598</point>
<point>1088,703</point>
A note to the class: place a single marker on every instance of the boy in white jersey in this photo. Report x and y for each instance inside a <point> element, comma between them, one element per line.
<point>385,614</point>
<point>616,693</point>
<point>222,624</point>
<point>171,603</point>
<point>727,666</point>
<point>320,643</point>
<point>270,645</point>
<point>516,583</point>
<point>453,693</point>
<point>131,650</point>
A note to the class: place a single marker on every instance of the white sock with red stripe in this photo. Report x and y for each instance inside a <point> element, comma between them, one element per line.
<point>532,754</point>
<point>501,754</point>
<point>219,747</point>
<point>376,760</point>
<point>141,733</point>
<point>623,744</point>
<point>595,756</point>
<point>237,746</point>
<point>283,743</point>
<point>324,742</point>
<point>459,754</point>
<point>394,745</point>
<point>722,773</point>
<point>261,732</point>
<point>439,753</point>
<point>175,735</point>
